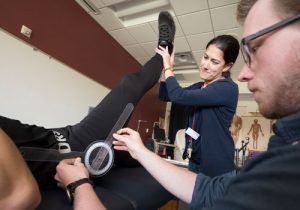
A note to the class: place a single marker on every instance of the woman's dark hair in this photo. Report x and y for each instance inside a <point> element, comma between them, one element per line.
<point>230,47</point>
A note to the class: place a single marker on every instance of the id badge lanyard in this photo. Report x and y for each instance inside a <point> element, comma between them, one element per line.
<point>190,140</point>
<point>192,134</point>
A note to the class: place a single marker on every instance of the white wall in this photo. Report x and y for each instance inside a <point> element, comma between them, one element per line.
<point>37,89</point>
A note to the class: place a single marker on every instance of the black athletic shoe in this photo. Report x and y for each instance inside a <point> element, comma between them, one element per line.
<point>166,27</point>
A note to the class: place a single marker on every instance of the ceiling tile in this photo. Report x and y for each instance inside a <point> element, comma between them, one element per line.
<point>179,77</point>
<point>154,26</point>
<point>187,77</point>
<point>236,32</point>
<point>123,37</point>
<point>181,45</point>
<point>198,56</point>
<point>192,78</point>
<point>108,20</point>
<point>218,3</point>
<point>149,47</point>
<point>224,17</point>
<point>143,33</point>
<point>195,23</point>
<point>136,50</point>
<point>183,7</point>
<point>143,60</point>
<point>111,2</point>
<point>199,41</point>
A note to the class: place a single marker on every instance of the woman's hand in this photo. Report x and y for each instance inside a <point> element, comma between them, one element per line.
<point>129,140</point>
<point>167,59</point>
<point>168,62</point>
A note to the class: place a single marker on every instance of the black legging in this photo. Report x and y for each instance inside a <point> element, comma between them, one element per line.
<point>95,126</point>
<point>98,123</point>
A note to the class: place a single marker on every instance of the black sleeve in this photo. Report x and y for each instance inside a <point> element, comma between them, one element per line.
<point>207,190</point>
<point>163,92</point>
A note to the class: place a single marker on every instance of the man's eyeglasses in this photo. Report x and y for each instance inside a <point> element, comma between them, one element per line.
<point>246,52</point>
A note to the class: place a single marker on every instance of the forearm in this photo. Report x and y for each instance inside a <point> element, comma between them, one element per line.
<point>179,181</point>
<point>86,198</point>
<point>169,72</point>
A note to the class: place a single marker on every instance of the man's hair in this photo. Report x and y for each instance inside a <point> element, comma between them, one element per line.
<point>243,9</point>
<point>286,8</point>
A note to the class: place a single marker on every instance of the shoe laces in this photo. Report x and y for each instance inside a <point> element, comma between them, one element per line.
<point>164,33</point>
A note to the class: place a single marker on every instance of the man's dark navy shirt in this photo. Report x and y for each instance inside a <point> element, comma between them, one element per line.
<point>270,181</point>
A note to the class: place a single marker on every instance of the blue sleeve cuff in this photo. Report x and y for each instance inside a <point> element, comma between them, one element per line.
<point>207,190</point>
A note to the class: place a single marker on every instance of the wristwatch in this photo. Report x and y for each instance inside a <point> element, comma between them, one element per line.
<point>70,189</point>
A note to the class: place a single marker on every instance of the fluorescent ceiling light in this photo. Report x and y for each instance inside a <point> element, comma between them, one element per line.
<point>90,6</point>
<point>139,7</point>
<point>136,12</point>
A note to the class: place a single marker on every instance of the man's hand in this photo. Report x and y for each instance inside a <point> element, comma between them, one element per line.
<point>70,170</point>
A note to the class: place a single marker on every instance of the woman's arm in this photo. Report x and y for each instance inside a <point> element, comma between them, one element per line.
<point>18,188</point>
<point>219,93</point>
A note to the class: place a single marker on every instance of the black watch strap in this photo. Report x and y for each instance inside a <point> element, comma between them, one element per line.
<point>70,189</point>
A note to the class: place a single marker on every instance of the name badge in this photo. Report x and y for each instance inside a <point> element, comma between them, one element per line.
<point>192,133</point>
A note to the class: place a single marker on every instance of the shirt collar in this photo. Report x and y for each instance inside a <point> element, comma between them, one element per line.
<point>286,130</point>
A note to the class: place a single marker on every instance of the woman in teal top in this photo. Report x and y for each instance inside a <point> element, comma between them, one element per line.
<point>211,105</point>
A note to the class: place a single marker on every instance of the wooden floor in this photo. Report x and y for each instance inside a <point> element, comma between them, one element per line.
<point>175,205</point>
<point>171,205</point>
